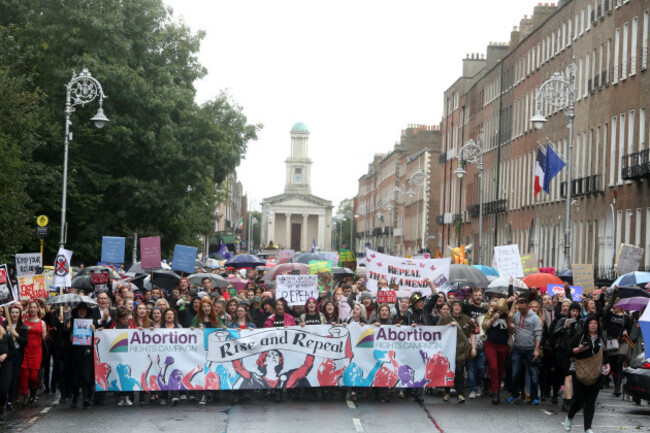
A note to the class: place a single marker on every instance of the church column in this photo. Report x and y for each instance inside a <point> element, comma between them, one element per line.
<point>304,242</point>
<point>320,241</point>
<point>287,243</point>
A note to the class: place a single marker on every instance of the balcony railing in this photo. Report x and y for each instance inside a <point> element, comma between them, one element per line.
<point>489,208</point>
<point>451,218</point>
<point>636,165</point>
<point>583,186</point>
<point>442,158</point>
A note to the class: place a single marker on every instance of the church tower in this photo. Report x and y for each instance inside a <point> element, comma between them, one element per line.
<point>298,177</point>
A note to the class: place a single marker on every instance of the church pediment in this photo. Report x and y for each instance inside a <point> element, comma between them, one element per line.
<point>297,201</point>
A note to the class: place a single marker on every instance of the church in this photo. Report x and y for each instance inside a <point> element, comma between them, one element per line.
<point>296,219</point>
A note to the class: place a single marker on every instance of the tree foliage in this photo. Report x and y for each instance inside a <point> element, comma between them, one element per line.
<point>344,223</point>
<point>156,166</point>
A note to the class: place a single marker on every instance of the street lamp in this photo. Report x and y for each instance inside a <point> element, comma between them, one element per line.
<point>80,90</point>
<point>472,153</point>
<point>559,92</point>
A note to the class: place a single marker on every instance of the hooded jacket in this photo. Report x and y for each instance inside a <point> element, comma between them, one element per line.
<point>528,330</point>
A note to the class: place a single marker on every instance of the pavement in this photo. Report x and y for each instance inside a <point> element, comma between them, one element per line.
<point>369,415</point>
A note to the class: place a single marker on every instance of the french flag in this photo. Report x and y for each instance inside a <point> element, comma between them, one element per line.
<point>539,171</point>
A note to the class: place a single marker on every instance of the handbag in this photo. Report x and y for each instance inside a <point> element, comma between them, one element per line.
<point>612,345</point>
<point>588,370</point>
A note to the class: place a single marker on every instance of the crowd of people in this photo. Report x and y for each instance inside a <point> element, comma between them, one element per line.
<point>532,347</point>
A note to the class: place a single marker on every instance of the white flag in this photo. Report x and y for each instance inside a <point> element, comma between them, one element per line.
<point>62,276</point>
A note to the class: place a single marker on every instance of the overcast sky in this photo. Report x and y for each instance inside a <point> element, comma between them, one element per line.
<point>356,72</point>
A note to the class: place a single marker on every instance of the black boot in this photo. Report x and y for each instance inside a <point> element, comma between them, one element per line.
<point>497,398</point>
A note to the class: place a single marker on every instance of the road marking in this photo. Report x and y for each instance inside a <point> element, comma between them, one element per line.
<point>357,424</point>
<point>351,404</point>
<point>33,419</point>
<point>46,410</point>
<point>548,412</point>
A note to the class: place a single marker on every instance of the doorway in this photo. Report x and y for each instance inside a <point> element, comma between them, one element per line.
<point>295,236</point>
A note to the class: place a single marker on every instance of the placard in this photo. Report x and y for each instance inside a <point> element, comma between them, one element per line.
<point>62,276</point>
<point>82,334</point>
<point>150,256</point>
<point>184,259</point>
<point>325,282</point>
<point>113,249</point>
<point>33,287</point>
<point>583,276</point>
<point>275,358</point>
<point>8,293</point>
<point>296,289</point>
<point>100,280</point>
<point>408,274</point>
<point>629,258</point>
<point>316,267</point>
<point>508,261</point>
<point>529,264</point>
<point>386,296</point>
<point>347,260</point>
<point>26,264</point>
<point>554,289</point>
<point>549,270</point>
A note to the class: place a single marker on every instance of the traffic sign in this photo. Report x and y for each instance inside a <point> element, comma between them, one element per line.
<point>41,232</point>
<point>42,221</point>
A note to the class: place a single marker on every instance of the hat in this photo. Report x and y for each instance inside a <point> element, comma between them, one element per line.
<point>502,305</point>
<point>202,294</point>
<point>575,306</point>
<point>257,299</point>
<point>245,302</point>
<point>364,295</point>
<point>215,294</point>
<point>417,296</point>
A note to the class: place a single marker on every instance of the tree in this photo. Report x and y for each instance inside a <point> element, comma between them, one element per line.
<point>155,166</point>
<point>345,217</point>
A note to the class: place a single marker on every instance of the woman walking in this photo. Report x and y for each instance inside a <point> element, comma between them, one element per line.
<point>37,333</point>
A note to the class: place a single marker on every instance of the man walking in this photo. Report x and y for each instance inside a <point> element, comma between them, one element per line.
<point>525,352</point>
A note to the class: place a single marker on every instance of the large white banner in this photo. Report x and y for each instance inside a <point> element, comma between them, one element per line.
<point>311,356</point>
<point>408,274</point>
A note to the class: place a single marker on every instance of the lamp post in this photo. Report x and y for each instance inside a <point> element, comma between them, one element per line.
<point>384,204</point>
<point>559,92</point>
<point>472,153</point>
<point>348,215</point>
<point>80,90</point>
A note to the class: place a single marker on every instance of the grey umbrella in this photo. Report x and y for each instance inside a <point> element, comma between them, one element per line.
<point>70,300</point>
<point>217,280</point>
<point>466,274</point>
<point>82,282</point>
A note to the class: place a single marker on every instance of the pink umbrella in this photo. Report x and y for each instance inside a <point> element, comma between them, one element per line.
<point>272,273</point>
<point>238,282</point>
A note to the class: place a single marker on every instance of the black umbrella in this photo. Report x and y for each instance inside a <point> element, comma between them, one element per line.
<point>245,261</point>
<point>165,279</point>
<point>82,282</point>
<point>469,275</point>
<point>629,292</point>
<point>340,273</point>
<point>308,257</point>
<point>566,276</point>
<point>70,300</point>
<point>138,280</point>
<point>137,269</point>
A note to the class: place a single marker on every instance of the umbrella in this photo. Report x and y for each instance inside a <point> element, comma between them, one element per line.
<point>488,271</point>
<point>541,280</point>
<point>635,303</point>
<point>644,324</point>
<point>82,282</point>
<point>308,257</point>
<point>238,282</point>
<point>273,272</point>
<point>630,292</point>
<point>340,273</point>
<point>245,261</point>
<point>164,278</point>
<point>137,268</point>
<point>138,280</point>
<point>217,280</point>
<point>112,272</point>
<point>501,284</point>
<point>469,275</point>
<point>635,278</point>
<point>566,276</point>
<point>70,300</point>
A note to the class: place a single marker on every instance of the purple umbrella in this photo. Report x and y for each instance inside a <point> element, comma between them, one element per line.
<point>635,303</point>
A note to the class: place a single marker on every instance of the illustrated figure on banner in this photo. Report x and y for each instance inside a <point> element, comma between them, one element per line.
<point>270,365</point>
<point>459,253</point>
<point>353,375</point>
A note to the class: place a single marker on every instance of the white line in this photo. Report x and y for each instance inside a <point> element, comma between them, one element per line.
<point>33,419</point>
<point>357,424</point>
<point>46,410</point>
<point>350,404</point>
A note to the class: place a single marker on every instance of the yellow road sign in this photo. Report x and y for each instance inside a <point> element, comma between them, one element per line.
<point>42,221</point>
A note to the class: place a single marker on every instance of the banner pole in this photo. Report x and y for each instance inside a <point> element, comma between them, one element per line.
<point>8,316</point>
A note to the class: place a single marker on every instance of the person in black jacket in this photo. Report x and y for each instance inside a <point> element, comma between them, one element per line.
<point>19,333</point>
<point>6,343</point>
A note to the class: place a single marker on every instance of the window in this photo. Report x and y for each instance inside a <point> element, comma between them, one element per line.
<point>586,84</point>
<point>630,132</point>
<point>579,79</point>
<point>589,16</point>
<point>568,33</point>
<point>642,128</point>
<point>601,78</point>
<point>621,147</point>
<point>624,52</point>
<point>644,43</point>
<point>609,61</point>
<point>575,28</point>
<point>617,43</point>
<point>563,35</point>
<point>612,158</point>
<point>637,227</point>
<point>633,45</point>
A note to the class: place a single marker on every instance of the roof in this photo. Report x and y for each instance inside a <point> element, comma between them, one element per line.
<point>299,127</point>
<point>306,197</point>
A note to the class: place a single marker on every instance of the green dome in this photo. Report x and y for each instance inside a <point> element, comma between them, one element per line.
<point>299,127</point>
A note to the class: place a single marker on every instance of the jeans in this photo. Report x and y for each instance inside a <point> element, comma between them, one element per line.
<point>475,368</point>
<point>522,362</point>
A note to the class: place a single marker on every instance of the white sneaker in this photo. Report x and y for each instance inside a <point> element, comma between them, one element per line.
<point>589,431</point>
<point>121,401</point>
<point>174,401</point>
<point>478,393</point>
<point>568,423</point>
<point>472,395</point>
<point>127,401</point>
<point>183,397</point>
<point>204,400</point>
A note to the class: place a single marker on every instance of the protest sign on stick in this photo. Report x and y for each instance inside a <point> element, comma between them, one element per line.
<point>33,287</point>
<point>529,264</point>
<point>150,256</point>
<point>508,261</point>
<point>583,276</point>
<point>184,259</point>
<point>113,249</point>
<point>27,264</point>
<point>629,258</point>
<point>296,289</point>
<point>8,293</point>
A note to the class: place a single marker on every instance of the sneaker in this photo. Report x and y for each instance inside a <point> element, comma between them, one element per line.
<point>175,401</point>
<point>478,393</point>
<point>461,398</point>
<point>589,431</point>
<point>127,401</point>
<point>535,402</point>
<point>121,402</point>
<point>567,424</point>
<point>203,400</point>
<point>445,397</point>
<point>511,399</point>
<point>472,395</point>
<point>192,397</point>
<point>183,397</point>
<point>163,401</point>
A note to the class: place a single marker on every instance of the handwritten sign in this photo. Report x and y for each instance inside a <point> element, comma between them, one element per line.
<point>529,264</point>
<point>557,289</point>
<point>26,264</point>
<point>150,256</point>
<point>629,258</point>
<point>184,259</point>
<point>508,261</point>
<point>296,289</point>
<point>347,260</point>
<point>82,334</point>
<point>8,293</point>
<point>583,276</point>
<point>316,267</point>
<point>113,249</point>
<point>34,286</point>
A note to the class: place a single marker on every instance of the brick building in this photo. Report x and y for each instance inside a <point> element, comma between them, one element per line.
<point>608,42</point>
<point>397,202</point>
